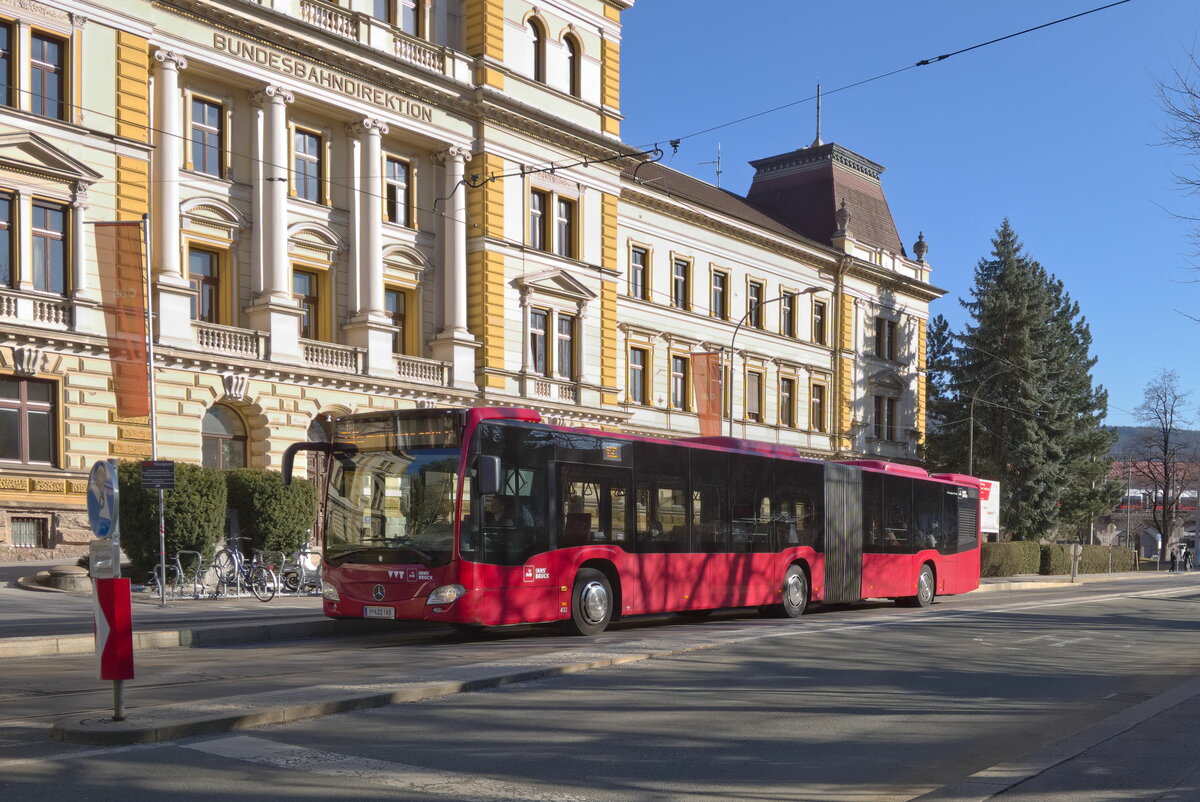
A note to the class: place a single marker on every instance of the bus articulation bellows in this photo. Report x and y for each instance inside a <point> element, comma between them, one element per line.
<point>488,517</point>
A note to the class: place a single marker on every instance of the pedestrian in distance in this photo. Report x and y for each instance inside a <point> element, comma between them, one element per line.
<point>1171,563</point>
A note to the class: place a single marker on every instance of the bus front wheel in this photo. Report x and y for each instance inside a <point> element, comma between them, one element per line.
<point>591,603</point>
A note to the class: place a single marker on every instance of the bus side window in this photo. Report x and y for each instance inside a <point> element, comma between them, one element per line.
<point>897,516</point>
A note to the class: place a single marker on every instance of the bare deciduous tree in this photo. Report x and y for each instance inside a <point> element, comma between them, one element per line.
<point>1162,456</point>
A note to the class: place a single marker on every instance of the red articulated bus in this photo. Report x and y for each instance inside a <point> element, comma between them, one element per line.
<point>488,517</point>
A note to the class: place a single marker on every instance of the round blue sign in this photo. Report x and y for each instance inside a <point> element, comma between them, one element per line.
<point>102,499</point>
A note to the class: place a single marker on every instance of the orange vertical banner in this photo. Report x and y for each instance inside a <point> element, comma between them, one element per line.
<point>120,259</point>
<point>706,375</point>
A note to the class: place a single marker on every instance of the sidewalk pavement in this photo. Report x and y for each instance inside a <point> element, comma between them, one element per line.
<point>1145,751</point>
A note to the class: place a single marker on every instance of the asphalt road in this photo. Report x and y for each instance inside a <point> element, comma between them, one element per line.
<point>868,703</point>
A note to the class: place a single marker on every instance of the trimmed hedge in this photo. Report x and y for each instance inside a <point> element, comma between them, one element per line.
<point>274,517</point>
<point>1056,560</point>
<point>193,514</point>
<point>1010,559</point>
<point>1028,557</point>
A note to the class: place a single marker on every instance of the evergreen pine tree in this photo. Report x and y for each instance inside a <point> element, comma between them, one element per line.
<point>1019,405</point>
<point>1003,373</point>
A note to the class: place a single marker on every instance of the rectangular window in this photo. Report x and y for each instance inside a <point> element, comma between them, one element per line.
<point>6,65</point>
<point>680,284</point>
<point>47,68</point>
<point>308,166</point>
<point>305,288</point>
<point>8,275</point>
<point>207,135</point>
<point>638,359</point>
<point>537,219</point>
<point>565,346</point>
<point>787,315</point>
<point>754,302</point>
<point>754,395</point>
<point>720,295</point>
<point>639,261</point>
<point>396,192</point>
<point>27,421</point>
<point>382,10</point>
<point>29,533</point>
<point>679,382</point>
<point>538,358</point>
<point>203,267</point>
<point>819,328</point>
<point>410,16</point>
<point>564,227</point>
<point>787,402</point>
<point>395,304</point>
<point>817,411</point>
<point>49,247</point>
<point>885,338</point>
<point>885,418</point>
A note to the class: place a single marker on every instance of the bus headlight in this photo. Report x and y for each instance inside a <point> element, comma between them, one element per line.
<point>446,594</point>
<point>329,592</point>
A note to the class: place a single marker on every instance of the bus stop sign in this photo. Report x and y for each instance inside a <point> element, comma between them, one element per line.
<point>102,498</point>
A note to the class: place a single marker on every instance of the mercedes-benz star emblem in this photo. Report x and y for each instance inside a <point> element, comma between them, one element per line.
<point>378,592</point>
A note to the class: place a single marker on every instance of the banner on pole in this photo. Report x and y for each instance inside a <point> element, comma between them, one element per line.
<point>706,376</point>
<point>119,257</point>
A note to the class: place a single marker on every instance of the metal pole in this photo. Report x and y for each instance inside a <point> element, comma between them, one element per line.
<point>162,537</point>
<point>738,328</point>
<point>118,700</point>
<point>1137,559</point>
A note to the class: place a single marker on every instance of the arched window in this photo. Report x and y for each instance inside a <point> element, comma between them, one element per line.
<point>223,436</point>
<point>537,37</point>
<point>573,65</point>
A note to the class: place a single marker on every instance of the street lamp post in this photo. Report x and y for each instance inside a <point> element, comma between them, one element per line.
<point>738,328</point>
<point>971,430</point>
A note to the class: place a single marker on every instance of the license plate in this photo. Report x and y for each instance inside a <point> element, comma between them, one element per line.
<point>379,612</point>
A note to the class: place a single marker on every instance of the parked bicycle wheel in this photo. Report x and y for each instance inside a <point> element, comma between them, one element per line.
<point>263,583</point>
<point>225,566</point>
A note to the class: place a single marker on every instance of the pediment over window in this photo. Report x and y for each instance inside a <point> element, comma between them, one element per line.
<point>314,241</point>
<point>888,380</point>
<point>30,153</point>
<point>556,283</point>
<point>404,263</point>
<point>212,213</point>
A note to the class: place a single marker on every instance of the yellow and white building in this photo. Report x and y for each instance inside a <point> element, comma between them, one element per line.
<point>382,204</point>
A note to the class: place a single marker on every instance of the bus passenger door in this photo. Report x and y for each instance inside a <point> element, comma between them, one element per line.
<point>843,533</point>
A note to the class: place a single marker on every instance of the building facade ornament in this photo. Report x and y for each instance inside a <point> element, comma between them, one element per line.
<point>261,98</point>
<point>27,360</point>
<point>452,153</point>
<point>168,59</point>
<point>235,385</point>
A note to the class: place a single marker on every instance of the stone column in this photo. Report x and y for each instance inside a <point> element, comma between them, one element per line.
<point>173,294</point>
<point>274,310</point>
<point>454,342</point>
<point>167,162</point>
<point>368,327</point>
<point>88,317</point>
<point>274,177</point>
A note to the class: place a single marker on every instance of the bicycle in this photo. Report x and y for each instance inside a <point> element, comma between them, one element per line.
<point>182,581</point>
<point>233,569</point>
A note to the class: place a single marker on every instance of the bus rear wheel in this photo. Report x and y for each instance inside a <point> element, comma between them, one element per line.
<point>925,590</point>
<point>795,596</point>
<point>591,603</point>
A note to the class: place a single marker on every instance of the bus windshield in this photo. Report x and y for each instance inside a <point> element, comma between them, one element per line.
<point>392,507</point>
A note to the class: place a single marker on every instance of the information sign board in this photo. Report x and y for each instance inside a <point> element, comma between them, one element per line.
<point>158,474</point>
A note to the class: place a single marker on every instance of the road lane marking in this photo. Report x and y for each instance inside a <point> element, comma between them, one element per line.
<point>452,785</point>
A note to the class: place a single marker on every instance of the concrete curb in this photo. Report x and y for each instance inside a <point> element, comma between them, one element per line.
<point>171,722</point>
<point>77,644</point>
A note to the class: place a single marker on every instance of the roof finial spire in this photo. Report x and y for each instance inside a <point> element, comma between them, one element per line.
<point>817,141</point>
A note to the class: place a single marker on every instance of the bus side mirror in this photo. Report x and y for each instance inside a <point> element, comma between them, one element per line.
<point>487,475</point>
<point>289,456</point>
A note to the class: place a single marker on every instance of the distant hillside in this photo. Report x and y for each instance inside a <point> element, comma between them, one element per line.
<point>1127,437</point>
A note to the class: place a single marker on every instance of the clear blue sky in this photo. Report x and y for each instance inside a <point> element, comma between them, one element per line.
<point>1057,130</point>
